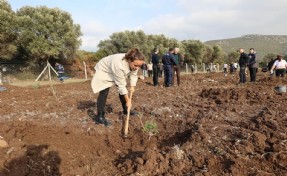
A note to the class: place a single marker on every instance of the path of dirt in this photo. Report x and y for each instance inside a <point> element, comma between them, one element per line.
<point>207,126</point>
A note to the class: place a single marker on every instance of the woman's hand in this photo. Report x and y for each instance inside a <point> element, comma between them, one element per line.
<point>128,101</point>
<point>129,104</point>
<point>132,89</point>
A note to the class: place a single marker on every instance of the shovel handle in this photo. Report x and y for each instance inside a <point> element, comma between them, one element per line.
<point>126,130</point>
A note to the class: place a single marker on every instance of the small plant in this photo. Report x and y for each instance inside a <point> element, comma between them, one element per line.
<point>25,75</point>
<point>150,127</point>
<point>54,92</point>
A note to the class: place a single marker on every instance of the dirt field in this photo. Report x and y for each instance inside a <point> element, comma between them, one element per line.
<point>208,126</point>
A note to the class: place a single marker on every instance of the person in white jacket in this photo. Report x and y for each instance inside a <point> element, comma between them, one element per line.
<point>280,66</point>
<point>114,70</point>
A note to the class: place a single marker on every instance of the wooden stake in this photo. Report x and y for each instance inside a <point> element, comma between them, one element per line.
<point>49,71</point>
<point>126,130</point>
<point>86,75</point>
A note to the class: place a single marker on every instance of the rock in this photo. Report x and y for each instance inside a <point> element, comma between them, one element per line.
<point>162,111</point>
<point>259,140</point>
<point>3,143</point>
<point>199,160</point>
<point>139,161</point>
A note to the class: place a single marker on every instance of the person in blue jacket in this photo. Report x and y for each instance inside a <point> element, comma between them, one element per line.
<point>60,70</point>
<point>168,61</point>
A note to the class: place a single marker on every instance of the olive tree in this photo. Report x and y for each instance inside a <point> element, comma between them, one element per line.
<point>121,42</point>
<point>267,58</point>
<point>194,49</point>
<point>232,57</point>
<point>217,55</point>
<point>47,33</point>
<point>8,33</point>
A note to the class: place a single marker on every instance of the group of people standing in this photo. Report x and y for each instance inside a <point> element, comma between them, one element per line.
<point>147,70</point>
<point>115,69</point>
<point>232,67</point>
<point>171,66</point>
<point>247,61</point>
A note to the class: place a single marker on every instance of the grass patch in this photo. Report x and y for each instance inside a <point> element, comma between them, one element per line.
<point>25,75</point>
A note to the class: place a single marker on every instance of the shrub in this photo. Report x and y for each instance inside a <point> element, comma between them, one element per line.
<point>36,85</point>
<point>25,75</point>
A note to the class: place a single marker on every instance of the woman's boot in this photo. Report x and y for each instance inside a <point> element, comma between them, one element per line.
<point>100,119</point>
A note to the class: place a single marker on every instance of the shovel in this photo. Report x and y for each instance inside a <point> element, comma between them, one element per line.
<point>126,129</point>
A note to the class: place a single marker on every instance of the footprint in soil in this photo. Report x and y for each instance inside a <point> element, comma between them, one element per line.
<point>178,138</point>
<point>83,105</point>
<point>90,105</point>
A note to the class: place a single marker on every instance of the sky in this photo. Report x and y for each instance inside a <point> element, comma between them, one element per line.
<point>202,20</point>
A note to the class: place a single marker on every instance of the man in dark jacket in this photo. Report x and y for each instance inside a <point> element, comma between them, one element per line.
<point>155,66</point>
<point>176,67</point>
<point>252,64</point>
<point>168,62</point>
<point>243,60</point>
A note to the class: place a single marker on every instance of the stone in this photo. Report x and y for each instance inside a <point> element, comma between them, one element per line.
<point>3,143</point>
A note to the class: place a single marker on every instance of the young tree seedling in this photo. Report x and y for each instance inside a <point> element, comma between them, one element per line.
<point>150,127</point>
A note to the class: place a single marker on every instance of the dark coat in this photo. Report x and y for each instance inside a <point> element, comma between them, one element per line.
<point>155,59</point>
<point>243,60</point>
<point>251,60</point>
<point>168,59</point>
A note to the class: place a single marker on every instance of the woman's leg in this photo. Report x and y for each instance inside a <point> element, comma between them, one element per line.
<point>102,99</point>
<point>101,104</point>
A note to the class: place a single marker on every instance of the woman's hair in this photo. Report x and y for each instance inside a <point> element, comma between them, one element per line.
<point>134,54</point>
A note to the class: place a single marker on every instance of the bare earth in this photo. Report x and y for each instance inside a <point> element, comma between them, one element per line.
<point>208,126</point>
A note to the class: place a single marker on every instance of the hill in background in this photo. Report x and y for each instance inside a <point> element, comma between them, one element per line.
<point>263,44</point>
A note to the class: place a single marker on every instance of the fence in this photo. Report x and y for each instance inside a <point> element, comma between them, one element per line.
<point>194,68</point>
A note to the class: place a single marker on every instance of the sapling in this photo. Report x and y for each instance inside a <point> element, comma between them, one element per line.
<point>54,92</point>
<point>150,127</point>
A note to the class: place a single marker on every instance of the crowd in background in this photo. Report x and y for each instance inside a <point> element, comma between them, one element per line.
<point>168,65</point>
<point>247,64</point>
